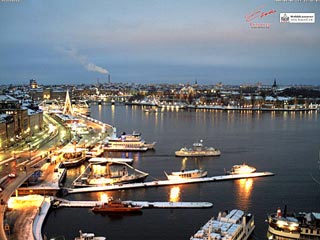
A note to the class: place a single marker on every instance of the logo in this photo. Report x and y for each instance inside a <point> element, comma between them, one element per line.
<point>297,17</point>
<point>284,17</point>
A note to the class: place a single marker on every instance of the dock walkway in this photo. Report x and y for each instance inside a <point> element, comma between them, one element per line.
<point>144,204</point>
<point>168,182</point>
<point>40,217</point>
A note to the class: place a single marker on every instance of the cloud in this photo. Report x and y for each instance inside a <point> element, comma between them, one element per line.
<point>83,60</point>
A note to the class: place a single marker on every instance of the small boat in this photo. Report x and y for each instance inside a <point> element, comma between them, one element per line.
<point>196,173</point>
<point>198,150</point>
<point>241,169</point>
<point>72,156</point>
<point>115,206</point>
<point>235,225</point>
<point>88,236</point>
<point>293,226</point>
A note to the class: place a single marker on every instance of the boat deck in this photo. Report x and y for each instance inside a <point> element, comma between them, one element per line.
<point>168,182</point>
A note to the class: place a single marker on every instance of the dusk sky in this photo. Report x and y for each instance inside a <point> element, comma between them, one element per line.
<point>159,41</point>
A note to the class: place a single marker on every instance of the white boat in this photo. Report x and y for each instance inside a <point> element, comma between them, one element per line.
<point>127,142</point>
<point>196,173</point>
<point>241,169</point>
<point>71,156</point>
<point>88,236</point>
<point>232,226</point>
<point>198,150</point>
<point>293,226</point>
<point>101,174</point>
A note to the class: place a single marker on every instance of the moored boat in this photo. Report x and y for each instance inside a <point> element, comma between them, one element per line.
<point>127,142</point>
<point>115,206</point>
<point>293,226</point>
<point>229,226</point>
<point>107,173</point>
<point>72,156</point>
<point>198,150</point>
<point>241,169</point>
<point>189,174</point>
<point>88,236</point>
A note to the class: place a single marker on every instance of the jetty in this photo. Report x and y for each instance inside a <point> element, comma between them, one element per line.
<point>60,202</point>
<point>167,182</point>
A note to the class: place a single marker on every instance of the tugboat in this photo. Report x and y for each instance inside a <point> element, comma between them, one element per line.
<point>198,150</point>
<point>230,226</point>
<point>293,226</point>
<point>116,206</point>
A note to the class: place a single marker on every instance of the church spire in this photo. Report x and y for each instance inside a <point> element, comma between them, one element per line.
<point>67,105</point>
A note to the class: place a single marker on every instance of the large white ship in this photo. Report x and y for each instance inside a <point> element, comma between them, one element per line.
<point>198,150</point>
<point>293,226</point>
<point>228,226</point>
<point>127,142</point>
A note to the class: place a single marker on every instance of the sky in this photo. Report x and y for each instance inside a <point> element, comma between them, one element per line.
<point>157,41</point>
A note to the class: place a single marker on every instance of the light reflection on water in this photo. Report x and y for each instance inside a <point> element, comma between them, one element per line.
<point>174,194</point>
<point>244,189</point>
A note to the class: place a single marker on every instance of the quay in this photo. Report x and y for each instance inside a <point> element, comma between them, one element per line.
<point>59,202</point>
<point>168,182</point>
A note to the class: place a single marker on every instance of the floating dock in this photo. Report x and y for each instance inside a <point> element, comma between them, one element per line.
<point>168,182</point>
<point>144,204</point>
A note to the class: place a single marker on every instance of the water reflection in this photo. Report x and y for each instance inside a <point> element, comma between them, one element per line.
<point>243,190</point>
<point>113,111</point>
<point>174,194</point>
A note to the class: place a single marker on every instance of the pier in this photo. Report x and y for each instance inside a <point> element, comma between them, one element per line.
<point>144,204</point>
<point>168,182</point>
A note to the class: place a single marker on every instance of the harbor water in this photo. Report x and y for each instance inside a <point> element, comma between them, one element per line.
<point>285,143</point>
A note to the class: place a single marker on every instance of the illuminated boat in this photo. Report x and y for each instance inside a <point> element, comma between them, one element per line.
<point>229,226</point>
<point>241,169</point>
<point>189,174</point>
<point>71,156</point>
<point>198,150</point>
<point>108,173</point>
<point>88,236</point>
<point>293,226</point>
<point>116,206</point>
<point>127,142</point>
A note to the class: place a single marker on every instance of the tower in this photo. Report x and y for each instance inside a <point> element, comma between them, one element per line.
<point>67,105</point>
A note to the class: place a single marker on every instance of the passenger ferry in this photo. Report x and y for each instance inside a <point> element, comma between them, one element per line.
<point>228,226</point>
<point>241,169</point>
<point>198,150</point>
<point>293,226</point>
<point>127,142</point>
<point>196,173</point>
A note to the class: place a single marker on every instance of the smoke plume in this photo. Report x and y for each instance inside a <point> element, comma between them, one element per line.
<point>83,60</point>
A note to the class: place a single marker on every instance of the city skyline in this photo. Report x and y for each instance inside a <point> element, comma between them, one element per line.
<point>156,42</point>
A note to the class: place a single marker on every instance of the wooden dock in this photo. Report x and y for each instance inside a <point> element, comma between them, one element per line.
<point>168,182</point>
